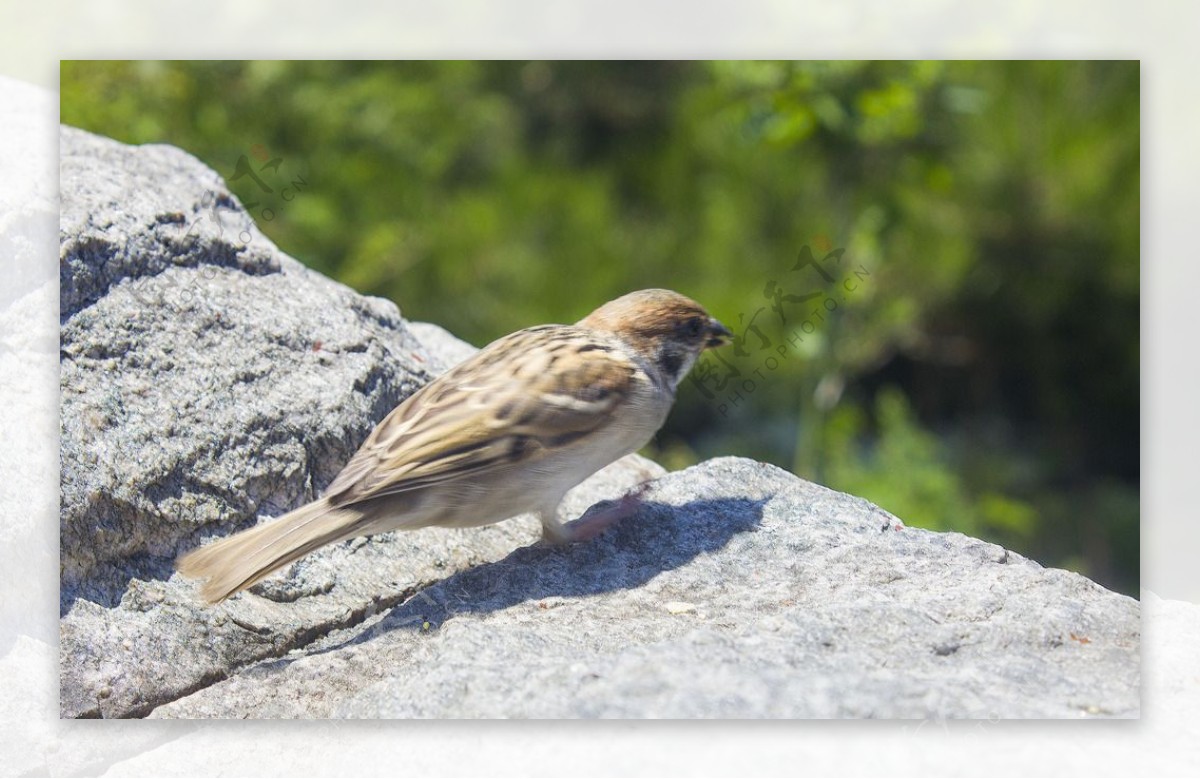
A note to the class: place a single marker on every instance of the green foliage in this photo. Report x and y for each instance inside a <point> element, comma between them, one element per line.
<point>982,373</point>
<point>906,463</point>
<point>914,472</point>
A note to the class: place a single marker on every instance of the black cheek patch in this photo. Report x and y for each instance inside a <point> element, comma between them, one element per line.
<point>670,362</point>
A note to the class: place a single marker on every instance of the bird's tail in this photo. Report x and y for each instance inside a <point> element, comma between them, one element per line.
<point>241,560</point>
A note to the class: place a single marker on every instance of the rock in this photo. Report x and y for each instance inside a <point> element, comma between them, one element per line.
<point>200,387</point>
<point>737,590</point>
<point>137,214</point>
<point>206,383</point>
<point>445,348</point>
<point>804,602</point>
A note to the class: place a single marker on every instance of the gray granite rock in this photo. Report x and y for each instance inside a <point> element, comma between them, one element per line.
<point>738,590</point>
<point>132,214</point>
<point>446,349</point>
<point>208,382</point>
<point>196,395</point>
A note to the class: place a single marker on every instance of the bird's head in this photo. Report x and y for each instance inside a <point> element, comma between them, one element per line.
<point>668,329</point>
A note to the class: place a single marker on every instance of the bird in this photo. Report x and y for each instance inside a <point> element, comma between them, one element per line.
<point>506,432</point>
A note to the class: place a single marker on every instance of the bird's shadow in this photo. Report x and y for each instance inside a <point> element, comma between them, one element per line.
<point>657,538</point>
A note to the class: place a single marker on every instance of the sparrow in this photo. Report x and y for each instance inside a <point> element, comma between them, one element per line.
<point>506,432</point>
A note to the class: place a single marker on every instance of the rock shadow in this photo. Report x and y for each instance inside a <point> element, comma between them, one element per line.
<point>107,583</point>
<point>658,538</point>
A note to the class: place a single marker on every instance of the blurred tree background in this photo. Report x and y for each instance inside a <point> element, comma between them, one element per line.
<point>933,266</point>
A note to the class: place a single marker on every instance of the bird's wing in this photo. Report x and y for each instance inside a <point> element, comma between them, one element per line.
<point>520,397</point>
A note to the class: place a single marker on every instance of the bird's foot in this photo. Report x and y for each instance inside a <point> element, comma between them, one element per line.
<point>597,519</point>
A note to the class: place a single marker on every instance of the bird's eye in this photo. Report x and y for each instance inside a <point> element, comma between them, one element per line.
<point>694,327</point>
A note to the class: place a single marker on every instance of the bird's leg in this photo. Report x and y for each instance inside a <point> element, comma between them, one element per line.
<point>594,521</point>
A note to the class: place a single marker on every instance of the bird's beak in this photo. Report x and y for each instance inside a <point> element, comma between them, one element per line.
<point>718,334</point>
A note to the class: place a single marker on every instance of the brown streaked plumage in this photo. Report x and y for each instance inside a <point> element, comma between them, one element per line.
<point>506,432</point>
